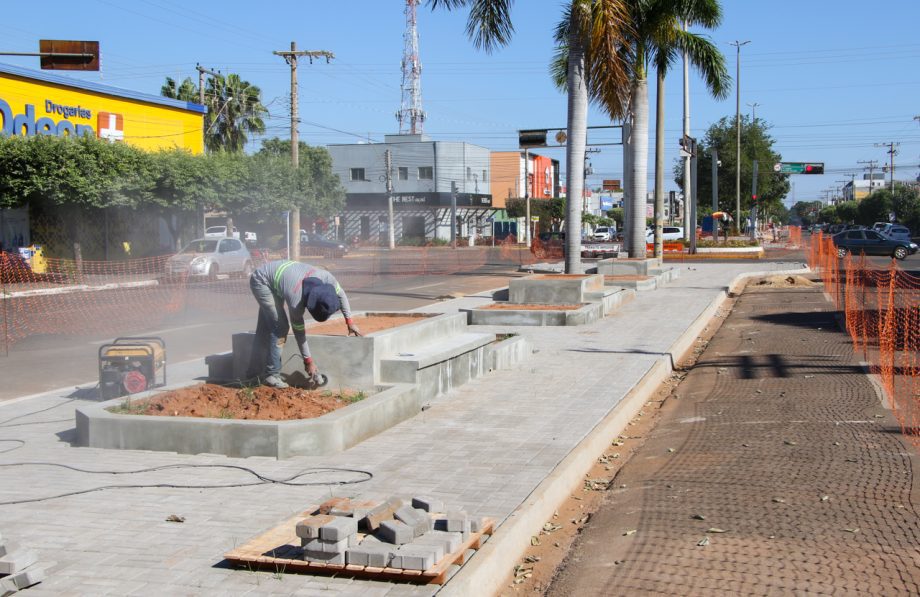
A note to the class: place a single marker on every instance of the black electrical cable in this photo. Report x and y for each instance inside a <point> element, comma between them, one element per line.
<point>260,479</point>
<point>17,417</point>
<point>18,441</point>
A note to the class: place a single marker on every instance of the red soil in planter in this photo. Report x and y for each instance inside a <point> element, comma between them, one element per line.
<point>366,323</point>
<point>256,403</point>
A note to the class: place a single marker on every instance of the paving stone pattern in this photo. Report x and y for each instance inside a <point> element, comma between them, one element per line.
<point>780,440</point>
<point>483,448</point>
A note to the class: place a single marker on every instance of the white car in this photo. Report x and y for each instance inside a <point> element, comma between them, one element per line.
<point>208,257</point>
<point>603,233</point>
<point>668,233</point>
<point>220,232</point>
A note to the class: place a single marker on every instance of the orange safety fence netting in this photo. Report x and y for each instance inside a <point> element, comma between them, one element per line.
<point>127,297</point>
<point>881,306</point>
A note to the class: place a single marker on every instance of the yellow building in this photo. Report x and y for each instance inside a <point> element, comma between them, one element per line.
<point>38,103</point>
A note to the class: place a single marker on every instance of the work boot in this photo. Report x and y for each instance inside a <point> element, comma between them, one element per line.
<point>274,381</point>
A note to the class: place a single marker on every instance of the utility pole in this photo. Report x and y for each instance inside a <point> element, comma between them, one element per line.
<point>291,58</point>
<point>388,159</point>
<point>754,111</point>
<point>738,45</point>
<point>453,214</point>
<point>872,165</point>
<point>527,228</point>
<point>715,192</point>
<point>686,186</point>
<point>891,152</point>
<point>199,225</point>
<point>754,201</point>
<point>694,160</point>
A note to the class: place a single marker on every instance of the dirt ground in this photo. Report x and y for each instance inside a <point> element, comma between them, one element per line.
<point>254,403</point>
<point>366,323</point>
<point>550,547</point>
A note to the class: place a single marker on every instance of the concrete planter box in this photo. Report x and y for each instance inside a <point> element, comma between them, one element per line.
<point>628,267</point>
<point>347,361</point>
<point>328,434</point>
<point>587,313</point>
<point>553,289</point>
<point>612,298</point>
<point>732,251</point>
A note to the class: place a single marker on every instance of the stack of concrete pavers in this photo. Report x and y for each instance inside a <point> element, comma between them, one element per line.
<point>395,533</point>
<point>18,568</point>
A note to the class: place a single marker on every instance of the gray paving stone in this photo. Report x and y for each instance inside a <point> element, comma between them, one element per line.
<point>308,528</point>
<point>370,554</point>
<point>395,532</point>
<point>339,528</point>
<point>428,504</point>
<point>417,519</point>
<point>17,561</point>
<point>414,556</point>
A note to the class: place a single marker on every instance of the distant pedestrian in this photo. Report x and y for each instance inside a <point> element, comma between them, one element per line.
<point>303,288</point>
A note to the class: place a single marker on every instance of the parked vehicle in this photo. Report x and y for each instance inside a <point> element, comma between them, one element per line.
<point>220,232</point>
<point>870,242</point>
<point>896,231</point>
<point>208,257</point>
<point>668,233</point>
<point>326,247</point>
<point>603,234</point>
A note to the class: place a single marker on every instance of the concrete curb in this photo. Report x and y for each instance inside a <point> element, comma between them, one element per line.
<point>494,561</point>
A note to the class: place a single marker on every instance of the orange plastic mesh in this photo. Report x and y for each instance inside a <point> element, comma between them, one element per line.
<point>881,306</point>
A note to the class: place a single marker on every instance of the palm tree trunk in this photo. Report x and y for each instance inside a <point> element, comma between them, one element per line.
<point>575,147</point>
<point>659,163</point>
<point>639,182</point>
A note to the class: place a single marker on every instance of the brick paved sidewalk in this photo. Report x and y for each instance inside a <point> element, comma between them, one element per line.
<point>485,447</point>
<point>777,471</point>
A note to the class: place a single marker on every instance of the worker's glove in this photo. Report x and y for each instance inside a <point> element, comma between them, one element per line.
<point>352,328</point>
<point>311,368</point>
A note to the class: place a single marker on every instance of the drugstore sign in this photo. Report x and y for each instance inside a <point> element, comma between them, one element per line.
<point>41,104</point>
<point>53,119</point>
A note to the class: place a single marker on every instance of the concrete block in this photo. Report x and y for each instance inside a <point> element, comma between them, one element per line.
<point>396,532</point>
<point>321,556</point>
<point>456,521</point>
<point>449,541</point>
<point>372,554</point>
<point>339,528</point>
<point>476,524</point>
<point>416,557</point>
<point>428,504</point>
<point>21,580</point>
<point>417,519</point>
<point>321,545</point>
<point>384,511</point>
<point>308,528</point>
<point>8,547</point>
<point>369,539</point>
<point>16,561</point>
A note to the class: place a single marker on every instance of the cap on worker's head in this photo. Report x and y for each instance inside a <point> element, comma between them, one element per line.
<point>320,299</point>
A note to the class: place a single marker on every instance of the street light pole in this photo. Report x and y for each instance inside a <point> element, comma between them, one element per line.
<point>738,45</point>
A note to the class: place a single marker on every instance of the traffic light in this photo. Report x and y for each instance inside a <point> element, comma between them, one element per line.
<point>814,169</point>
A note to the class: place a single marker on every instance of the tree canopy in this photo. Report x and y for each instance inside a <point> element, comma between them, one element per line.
<point>756,144</point>
<point>92,173</point>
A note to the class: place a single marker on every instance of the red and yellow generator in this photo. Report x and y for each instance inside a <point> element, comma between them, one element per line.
<point>130,365</point>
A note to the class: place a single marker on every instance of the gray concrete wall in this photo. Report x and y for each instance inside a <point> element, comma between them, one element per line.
<point>546,289</point>
<point>628,267</point>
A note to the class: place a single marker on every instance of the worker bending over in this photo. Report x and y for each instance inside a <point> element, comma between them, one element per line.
<point>304,288</point>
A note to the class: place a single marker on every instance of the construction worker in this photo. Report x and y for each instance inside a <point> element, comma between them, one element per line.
<point>303,288</point>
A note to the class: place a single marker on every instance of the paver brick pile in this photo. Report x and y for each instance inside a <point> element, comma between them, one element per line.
<point>18,569</point>
<point>395,533</point>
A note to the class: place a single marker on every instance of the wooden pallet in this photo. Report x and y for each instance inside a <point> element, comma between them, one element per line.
<point>278,550</point>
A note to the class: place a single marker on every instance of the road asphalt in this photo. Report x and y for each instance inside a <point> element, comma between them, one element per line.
<point>508,445</point>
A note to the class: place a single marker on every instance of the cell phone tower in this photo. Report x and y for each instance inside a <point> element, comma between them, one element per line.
<point>410,115</point>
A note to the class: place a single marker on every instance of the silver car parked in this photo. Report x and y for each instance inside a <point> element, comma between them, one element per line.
<point>208,257</point>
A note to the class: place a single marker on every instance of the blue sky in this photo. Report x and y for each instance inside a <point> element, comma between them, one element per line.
<point>833,77</point>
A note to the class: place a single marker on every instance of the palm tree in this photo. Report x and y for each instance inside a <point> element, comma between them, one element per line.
<point>187,91</point>
<point>593,31</point>
<point>235,111</point>
<point>657,39</point>
<point>668,41</point>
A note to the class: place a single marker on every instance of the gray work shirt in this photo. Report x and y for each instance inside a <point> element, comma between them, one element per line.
<point>285,279</point>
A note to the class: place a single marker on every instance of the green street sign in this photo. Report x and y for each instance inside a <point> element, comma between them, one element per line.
<point>799,167</point>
